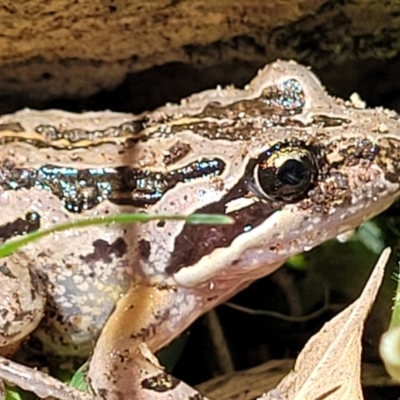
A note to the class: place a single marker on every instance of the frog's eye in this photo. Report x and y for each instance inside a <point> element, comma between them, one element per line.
<point>285,173</point>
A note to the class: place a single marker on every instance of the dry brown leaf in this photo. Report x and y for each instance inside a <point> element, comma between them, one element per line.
<point>329,367</point>
<point>251,383</point>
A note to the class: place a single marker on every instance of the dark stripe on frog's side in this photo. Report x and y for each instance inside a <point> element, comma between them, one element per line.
<point>52,133</point>
<point>82,189</point>
<point>284,99</point>
<point>196,241</point>
<point>243,120</point>
<point>20,226</point>
<point>247,128</point>
<point>240,120</point>
<point>49,136</point>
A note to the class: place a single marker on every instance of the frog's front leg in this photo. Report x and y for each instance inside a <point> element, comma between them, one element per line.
<point>146,318</point>
<point>22,302</point>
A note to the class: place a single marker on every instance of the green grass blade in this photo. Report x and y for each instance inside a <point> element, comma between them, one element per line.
<point>211,219</point>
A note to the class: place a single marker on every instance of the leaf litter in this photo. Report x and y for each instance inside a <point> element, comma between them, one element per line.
<point>329,366</point>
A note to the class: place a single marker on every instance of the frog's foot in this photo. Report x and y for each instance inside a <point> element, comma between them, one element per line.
<point>38,382</point>
<point>22,303</point>
<point>147,381</point>
<point>123,366</point>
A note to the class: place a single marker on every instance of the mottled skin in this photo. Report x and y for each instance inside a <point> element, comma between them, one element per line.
<point>197,156</point>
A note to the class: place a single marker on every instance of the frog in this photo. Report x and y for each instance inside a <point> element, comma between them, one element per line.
<point>290,164</point>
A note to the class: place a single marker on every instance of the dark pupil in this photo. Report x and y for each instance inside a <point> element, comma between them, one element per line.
<point>288,183</point>
<point>292,172</point>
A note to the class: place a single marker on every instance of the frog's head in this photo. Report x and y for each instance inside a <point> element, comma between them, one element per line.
<point>322,168</point>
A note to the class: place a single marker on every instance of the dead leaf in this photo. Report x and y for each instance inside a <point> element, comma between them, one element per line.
<point>251,383</point>
<point>329,366</point>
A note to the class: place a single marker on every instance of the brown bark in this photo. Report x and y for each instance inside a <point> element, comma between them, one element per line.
<point>61,48</point>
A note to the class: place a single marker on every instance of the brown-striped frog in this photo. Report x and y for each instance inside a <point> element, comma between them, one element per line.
<point>291,165</point>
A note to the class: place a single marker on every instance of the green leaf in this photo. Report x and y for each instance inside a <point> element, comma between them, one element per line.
<point>78,380</point>
<point>371,236</point>
<point>13,394</point>
<point>395,319</point>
